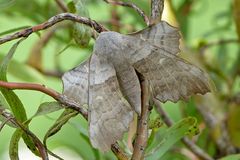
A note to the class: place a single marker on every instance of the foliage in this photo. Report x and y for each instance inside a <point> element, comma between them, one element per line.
<point>210,41</point>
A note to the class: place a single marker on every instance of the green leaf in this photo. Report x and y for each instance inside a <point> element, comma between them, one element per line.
<point>95,151</point>
<point>184,127</point>
<point>3,102</point>
<point>14,102</point>
<point>84,134</point>
<point>13,147</point>
<point>81,33</point>
<point>71,7</point>
<point>3,107</point>
<point>231,157</point>
<point>63,119</point>
<point>47,107</point>
<point>12,99</point>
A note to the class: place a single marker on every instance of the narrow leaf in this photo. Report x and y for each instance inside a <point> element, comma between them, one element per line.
<point>81,33</point>
<point>13,148</point>
<point>14,102</point>
<point>231,157</point>
<point>47,107</point>
<point>172,135</point>
<point>84,134</point>
<point>63,119</point>
<point>12,99</point>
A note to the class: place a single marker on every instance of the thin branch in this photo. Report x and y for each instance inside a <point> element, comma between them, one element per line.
<point>52,21</point>
<point>157,7</point>
<point>121,155</point>
<point>42,150</point>
<point>42,88</point>
<point>131,5</point>
<point>30,86</point>
<point>61,5</point>
<point>220,42</point>
<point>142,128</point>
<point>193,147</point>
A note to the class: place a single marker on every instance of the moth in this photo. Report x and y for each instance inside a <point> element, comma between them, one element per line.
<point>108,83</point>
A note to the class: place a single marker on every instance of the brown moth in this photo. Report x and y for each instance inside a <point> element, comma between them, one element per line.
<point>108,83</point>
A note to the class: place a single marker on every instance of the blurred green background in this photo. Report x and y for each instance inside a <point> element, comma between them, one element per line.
<point>209,40</point>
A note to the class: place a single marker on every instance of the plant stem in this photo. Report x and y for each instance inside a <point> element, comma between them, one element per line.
<point>142,128</point>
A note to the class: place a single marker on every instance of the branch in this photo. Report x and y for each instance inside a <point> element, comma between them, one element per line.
<point>142,128</point>
<point>42,150</point>
<point>52,21</point>
<point>193,147</point>
<point>157,7</point>
<point>121,155</point>
<point>130,5</point>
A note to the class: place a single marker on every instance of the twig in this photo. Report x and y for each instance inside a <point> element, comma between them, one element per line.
<point>52,21</point>
<point>157,7</point>
<point>121,155</point>
<point>30,86</point>
<point>42,88</point>
<point>220,42</point>
<point>142,128</point>
<point>42,150</point>
<point>193,147</point>
<point>131,5</point>
<point>61,4</point>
